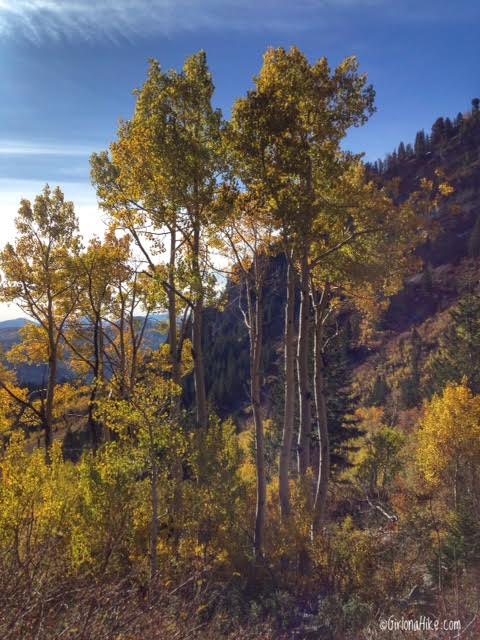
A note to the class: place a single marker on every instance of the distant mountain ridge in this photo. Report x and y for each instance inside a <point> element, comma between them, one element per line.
<point>15,323</point>
<point>34,375</point>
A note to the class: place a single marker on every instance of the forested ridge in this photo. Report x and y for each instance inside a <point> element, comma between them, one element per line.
<point>257,412</point>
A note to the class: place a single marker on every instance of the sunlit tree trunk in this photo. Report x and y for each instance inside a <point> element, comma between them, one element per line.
<point>50,399</point>
<point>303,351</point>
<point>175,360</point>
<point>122,351</point>
<point>289,406</point>
<point>255,326</point>
<point>197,331</point>
<point>305,400</point>
<point>154,524</point>
<point>172,309</point>
<point>92,422</point>
<point>52,378</point>
<point>321,490</point>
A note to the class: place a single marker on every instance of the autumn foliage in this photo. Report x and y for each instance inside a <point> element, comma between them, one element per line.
<point>130,507</point>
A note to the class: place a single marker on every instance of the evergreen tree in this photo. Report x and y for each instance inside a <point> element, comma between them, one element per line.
<point>420,146</point>
<point>410,390</point>
<point>427,278</point>
<point>340,402</point>
<point>459,352</point>
<point>474,240</point>
<point>448,128</point>
<point>459,119</point>
<point>462,542</point>
<point>438,131</point>
<point>379,392</point>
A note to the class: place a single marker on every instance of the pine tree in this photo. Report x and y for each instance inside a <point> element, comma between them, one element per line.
<point>410,389</point>
<point>459,352</point>
<point>379,393</point>
<point>438,132</point>
<point>459,120</point>
<point>448,128</point>
<point>474,240</point>
<point>420,144</point>
<point>340,402</point>
<point>427,278</point>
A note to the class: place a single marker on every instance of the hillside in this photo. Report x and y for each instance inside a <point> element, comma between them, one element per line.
<point>455,149</point>
<point>450,269</point>
<point>451,261</point>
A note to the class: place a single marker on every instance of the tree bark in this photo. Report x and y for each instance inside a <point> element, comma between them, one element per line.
<point>197,330</point>
<point>289,402</point>
<point>305,400</point>
<point>198,365</point>
<point>52,377</point>
<point>321,491</point>
<point>175,361</point>
<point>154,528</point>
<point>122,355</point>
<point>304,390</point>
<point>50,399</point>
<point>255,317</point>
<point>172,310</point>
<point>92,422</point>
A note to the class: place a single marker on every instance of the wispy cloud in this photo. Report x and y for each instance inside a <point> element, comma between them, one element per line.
<point>117,20</point>
<point>19,148</point>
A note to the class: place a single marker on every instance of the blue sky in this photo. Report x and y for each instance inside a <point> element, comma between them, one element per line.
<point>68,68</point>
